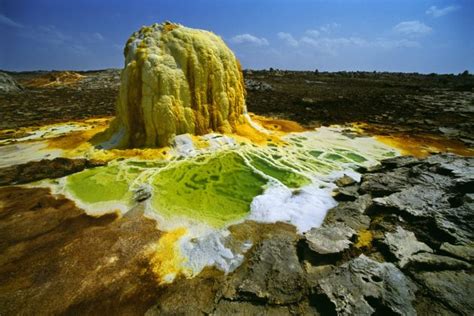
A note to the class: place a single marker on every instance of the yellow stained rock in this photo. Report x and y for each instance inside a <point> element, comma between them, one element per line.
<point>364,239</point>
<point>176,80</point>
<point>167,260</point>
<point>54,79</point>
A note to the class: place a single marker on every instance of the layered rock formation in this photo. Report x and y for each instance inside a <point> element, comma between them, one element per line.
<point>176,80</point>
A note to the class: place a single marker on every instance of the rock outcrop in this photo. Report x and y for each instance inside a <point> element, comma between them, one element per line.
<point>364,287</point>
<point>329,239</point>
<point>8,84</point>
<point>421,219</point>
<point>44,169</point>
<point>176,80</point>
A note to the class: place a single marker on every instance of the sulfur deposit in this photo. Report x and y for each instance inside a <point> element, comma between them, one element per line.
<point>176,80</point>
<point>54,79</point>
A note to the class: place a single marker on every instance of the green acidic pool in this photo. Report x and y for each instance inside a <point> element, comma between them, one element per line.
<point>102,184</point>
<point>217,190</point>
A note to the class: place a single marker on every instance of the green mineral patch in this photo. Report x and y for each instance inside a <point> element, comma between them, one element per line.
<point>389,154</point>
<point>351,155</point>
<point>335,157</point>
<point>102,184</point>
<point>147,164</point>
<point>355,157</point>
<point>315,153</point>
<point>217,190</point>
<point>287,177</point>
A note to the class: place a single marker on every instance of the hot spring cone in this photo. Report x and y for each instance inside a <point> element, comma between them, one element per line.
<point>176,80</point>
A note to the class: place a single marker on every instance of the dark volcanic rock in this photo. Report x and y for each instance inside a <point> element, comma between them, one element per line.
<point>350,213</point>
<point>44,169</point>
<point>436,192</point>
<point>363,287</point>
<point>380,184</point>
<point>345,181</point>
<point>420,213</point>
<point>196,296</point>
<point>429,261</point>
<point>225,308</point>
<point>272,274</point>
<point>453,288</point>
<point>330,239</point>
<point>403,245</point>
<point>410,253</point>
<point>462,252</point>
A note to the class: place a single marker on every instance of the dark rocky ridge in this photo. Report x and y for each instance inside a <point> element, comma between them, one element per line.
<point>44,169</point>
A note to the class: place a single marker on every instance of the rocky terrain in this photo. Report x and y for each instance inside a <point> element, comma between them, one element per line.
<point>399,242</point>
<point>389,102</point>
<point>92,96</point>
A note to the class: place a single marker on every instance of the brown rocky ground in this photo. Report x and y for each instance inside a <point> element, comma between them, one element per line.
<point>56,259</point>
<point>91,96</point>
<point>410,103</point>
<point>390,102</point>
<point>399,242</point>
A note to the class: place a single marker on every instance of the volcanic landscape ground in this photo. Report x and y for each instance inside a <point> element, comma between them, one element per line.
<point>403,235</point>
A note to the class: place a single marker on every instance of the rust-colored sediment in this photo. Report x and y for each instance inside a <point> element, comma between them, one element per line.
<point>419,145</point>
<point>55,259</point>
<point>278,125</point>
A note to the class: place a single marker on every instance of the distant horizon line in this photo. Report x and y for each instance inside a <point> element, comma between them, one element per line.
<point>257,69</point>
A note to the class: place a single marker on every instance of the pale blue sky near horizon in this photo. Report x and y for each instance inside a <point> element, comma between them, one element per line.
<point>330,35</point>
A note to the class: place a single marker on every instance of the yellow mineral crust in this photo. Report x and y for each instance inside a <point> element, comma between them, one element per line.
<point>176,80</point>
<point>167,260</point>
<point>54,79</point>
<point>364,239</point>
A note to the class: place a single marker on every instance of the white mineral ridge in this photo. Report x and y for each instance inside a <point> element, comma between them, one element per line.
<point>304,208</point>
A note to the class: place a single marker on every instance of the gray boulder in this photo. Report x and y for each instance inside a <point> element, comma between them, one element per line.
<point>272,274</point>
<point>459,251</point>
<point>329,239</point>
<point>254,85</point>
<point>403,244</point>
<point>350,213</point>
<point>436,262</point>
<point>363,287</point>
<point>452,288</point>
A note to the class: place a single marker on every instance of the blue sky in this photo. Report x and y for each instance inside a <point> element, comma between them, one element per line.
<point>385,35</point>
